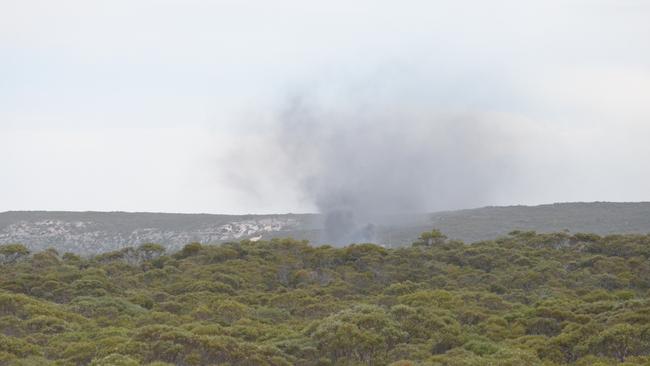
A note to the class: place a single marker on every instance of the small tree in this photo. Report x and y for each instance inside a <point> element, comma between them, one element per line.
<point>430,238</point>
<point>619,341</point>
<point>189,250</point>
<point>150,251</point>
<point>11,253</point>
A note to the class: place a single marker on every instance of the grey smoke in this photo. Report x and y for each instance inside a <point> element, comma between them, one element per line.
<point>360,157</point>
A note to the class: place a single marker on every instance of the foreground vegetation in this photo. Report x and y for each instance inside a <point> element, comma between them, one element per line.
<point>525,299</point>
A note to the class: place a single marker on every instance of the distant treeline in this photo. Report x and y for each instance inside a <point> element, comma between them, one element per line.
<point>523,299</point>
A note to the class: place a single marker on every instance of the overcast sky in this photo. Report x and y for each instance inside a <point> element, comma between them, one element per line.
<point>137,105</point>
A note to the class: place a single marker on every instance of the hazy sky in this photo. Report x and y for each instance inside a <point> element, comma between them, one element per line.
<point>153,105</point>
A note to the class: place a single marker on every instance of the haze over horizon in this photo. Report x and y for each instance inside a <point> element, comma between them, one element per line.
<point>254,107</point>
<point>315,212</point>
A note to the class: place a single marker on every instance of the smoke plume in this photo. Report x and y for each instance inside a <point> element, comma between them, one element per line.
<point>359,157</point>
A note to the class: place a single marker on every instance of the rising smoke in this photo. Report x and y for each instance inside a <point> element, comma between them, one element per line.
<point>358,158</point>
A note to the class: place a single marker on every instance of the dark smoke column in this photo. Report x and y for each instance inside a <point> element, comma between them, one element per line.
<point>341,228</point>
<point>339,225</point>
<point>366,155</point>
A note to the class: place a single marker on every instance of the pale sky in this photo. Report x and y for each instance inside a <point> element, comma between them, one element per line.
<point>136,105</point>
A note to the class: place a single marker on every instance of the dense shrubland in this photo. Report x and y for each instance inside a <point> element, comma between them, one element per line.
<point>525,299</point>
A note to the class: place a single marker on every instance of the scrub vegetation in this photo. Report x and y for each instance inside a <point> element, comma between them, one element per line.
<point>523,299</point>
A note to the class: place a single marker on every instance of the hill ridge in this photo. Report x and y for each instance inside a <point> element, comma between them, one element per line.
<point>90,232</point>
